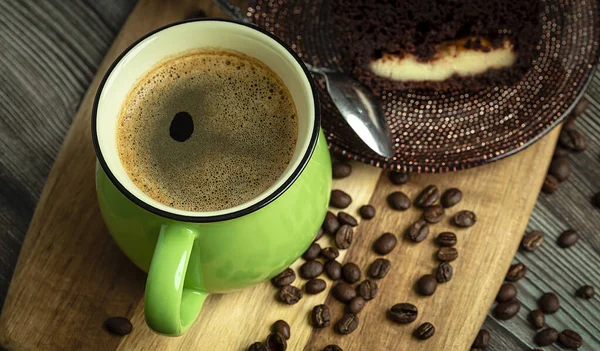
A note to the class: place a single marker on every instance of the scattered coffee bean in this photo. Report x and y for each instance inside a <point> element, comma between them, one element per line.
<point>367,212</point>
<point>443,273</point>
<point>385,243</point>
<point>569,123</point>
<point>507,310</point>
<point>434,213</point>
<point>447,254</point>
<point>333,269</point>
<point>516,272</point>
<point>537,319</point>
<point>343,237</point>
<point>351,273</point>
<point>559,152</point>
<point>549,303</point>
<point>286,277</point>
<point>403,313</point>
<point>320,234</point>
<point>585,292</point>
<point>340,170</point>
<point>320,316</point>
<point>346,218</point>
<point>281,327</point>
<point>290,294</point>
<point>424,331</point>
<point>567,238</point>
<point>596,200</point>
<point>339,199</point>
<point>482,339</point>
<point>258,346</point>
<point>330,253</point>
<point>426,285</point>
<point>532,240</point>
<point>356,305</point>
<point>312,252</point>
<point>347,324</point>
<point>464,219</point>
<point>560,168</point>
<point>331,223</point>
<point>418,231</point>
<point>507,292</point>
<point>550,184</point>
<point>580,107</point>
<point>398,178</point>
<point>451,197</point>
<point>276,342</point>
<point>368,289</point>
<point>427,197</point>
<point>379,268</point>
<point>332,348</point>
<point>196,14</point>
<point>570,339</point>
<point>546,337</point>
<point>572,139</point>
<point>398,201</point>
<point>446,239</point>
<point>311,269</point>
<point>118,325</point>
<point>315,286</point>
<point>344,292</point>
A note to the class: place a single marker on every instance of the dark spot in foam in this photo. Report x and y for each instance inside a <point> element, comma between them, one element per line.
<point>182,127</point>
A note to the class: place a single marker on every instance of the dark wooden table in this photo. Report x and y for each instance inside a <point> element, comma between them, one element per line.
<point>49,52</point>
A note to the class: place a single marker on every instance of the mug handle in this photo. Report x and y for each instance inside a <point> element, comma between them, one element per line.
<point>170,307</point>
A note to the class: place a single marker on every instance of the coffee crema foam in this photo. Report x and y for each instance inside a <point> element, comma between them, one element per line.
<point>245,129</point>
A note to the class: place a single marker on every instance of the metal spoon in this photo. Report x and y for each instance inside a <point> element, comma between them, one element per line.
<point>355,102</point>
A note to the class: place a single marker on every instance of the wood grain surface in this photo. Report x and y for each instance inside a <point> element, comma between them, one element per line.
<point>71,276</point>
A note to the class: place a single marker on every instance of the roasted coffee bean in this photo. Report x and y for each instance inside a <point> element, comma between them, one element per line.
<point>426,285</point>
<point>507,292</point>
<point>568,124</point>
<point>427,197</point>
<point>560,168</point>
<point>585,292</point>
<point>398,201</point>
<point>443,273</point>
<point>379,268</point>
<point>331,223</point>
<point>464,219</point>
<point>446,239</point>
<point>567,238</point>
<point>451,197</point>
<point>418,231</point>
<point>118,325</point>
<point>290,294</point>
<point>276,342</point>
<point>344,292</point>
<point>311,269</point>
<point>367,289</point>
<point>312,252</point>
<point>507,310</point>
<point>320,234</point>
<point>356,305</point>
<point>332,348</point>
<point>315,286</point>
<point>580,107</point>
<point>559,152</point>
<point>281,327</point>
<point>286,277</point>
<point>550,184</point>
<point>339,199</point>
<point>343,237</point>
<point>330,253</point>
<point>258,346</point>
<point>572,139</point>
<point>347,324</point>
<point>346,218</point>
<point>570,339</point>
<point>532,240</point>
<point>340,170</point>
<point>537,319</point>
<point>434,213</point>
<point>367,212</point>
<point>546,337</point>
<point>549,303</point>
<point>596,200</point>
<point>385,243</point>
<point>447,254</point>
<point>403,313</point>
<point>482,339</point>
<point>351,273</point>
<point>320,316</point>
<point>333,269</point>
<point>424,331</point>
<point>199,13</point>
<point>398,178</point>
<point>516,272</point>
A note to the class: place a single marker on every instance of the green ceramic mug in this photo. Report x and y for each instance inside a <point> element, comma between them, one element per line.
<point>189,255</point>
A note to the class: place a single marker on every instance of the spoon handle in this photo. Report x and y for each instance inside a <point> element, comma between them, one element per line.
<point>232,11</point>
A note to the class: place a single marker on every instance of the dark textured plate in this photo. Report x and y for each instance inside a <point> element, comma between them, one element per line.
<point>448,131</point>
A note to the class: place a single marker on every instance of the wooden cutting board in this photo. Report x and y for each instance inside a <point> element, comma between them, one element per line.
<point>71,276</point>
